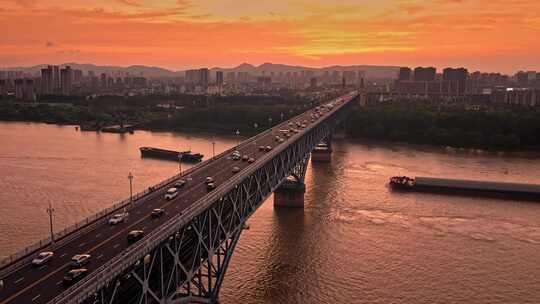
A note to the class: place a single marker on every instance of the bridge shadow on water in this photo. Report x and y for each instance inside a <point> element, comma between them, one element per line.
<point>298,243</point>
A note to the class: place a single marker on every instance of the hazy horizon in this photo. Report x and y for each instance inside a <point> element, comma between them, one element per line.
<point>490,36</point>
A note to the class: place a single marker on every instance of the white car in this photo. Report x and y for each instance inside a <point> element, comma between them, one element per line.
<point>171,193</point>
<point>79,260</point>
<point>42,258</point>
<point>118,218</point>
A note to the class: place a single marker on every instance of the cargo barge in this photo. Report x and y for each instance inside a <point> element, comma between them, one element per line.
<point>185,156</point>
<point>466,187</point>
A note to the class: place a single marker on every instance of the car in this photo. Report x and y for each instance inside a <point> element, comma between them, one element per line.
<point>235,170</point>
<point>179,184</point>
<point>74,275</point>
<point>118,218</point>
<point>303,125</point>
<point>288,135</point>
<point>277,138</point>
<point>245,158</point>
<point>171,193</point>
<point>158,212</point>
<point>209,180</point>
<point>291,124</point>
<point>281,140</point>
<point>235,157</point>
<point>262,148</point>
<point>42,258</point>
<point>210,187</point>
<point>268,148</point>
<point>135,235</point>
<point>78,260</point>
<point>251,160</point>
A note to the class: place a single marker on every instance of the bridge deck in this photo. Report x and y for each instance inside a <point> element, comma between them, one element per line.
<point>30,285</point>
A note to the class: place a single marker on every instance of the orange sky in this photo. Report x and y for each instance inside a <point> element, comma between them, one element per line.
<point>489,35</point>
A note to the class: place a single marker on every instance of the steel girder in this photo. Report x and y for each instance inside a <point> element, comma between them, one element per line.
<point>189,261</point>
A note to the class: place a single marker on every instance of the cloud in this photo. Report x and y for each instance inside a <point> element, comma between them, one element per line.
<point>69,52</point>
<point>50,44</point>
<point>130,2</point>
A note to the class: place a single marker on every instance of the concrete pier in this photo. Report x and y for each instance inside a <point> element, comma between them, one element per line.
<point>321,154</point>
<point>290,194</point>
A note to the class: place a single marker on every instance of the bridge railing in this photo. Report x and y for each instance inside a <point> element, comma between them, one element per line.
<point>24,256</point>
<point>133,253</point>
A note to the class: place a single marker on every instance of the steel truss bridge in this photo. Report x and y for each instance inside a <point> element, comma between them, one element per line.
<point>184,258</point>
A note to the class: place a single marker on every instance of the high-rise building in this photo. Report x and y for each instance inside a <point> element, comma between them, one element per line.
<point>198,77</point>
<point>425,74</point>
<point>77,77</point>
<point>219,79</point>
<point>47,80</point>
<point>66,76</point>
<point>24,89</point>
<point>405,74</point>
<point>313,82</point>
<point>56,79</point>
<point>456,80</point>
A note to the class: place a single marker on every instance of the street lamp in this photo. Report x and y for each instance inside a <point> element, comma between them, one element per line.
<point>238,136</point>
<point>255,125</point>
<point>281,116</point>
<point>213,149</point>
<point>130,177</point>
<point>50,211</point>
<point>180,155</point>
<point>269,122</point>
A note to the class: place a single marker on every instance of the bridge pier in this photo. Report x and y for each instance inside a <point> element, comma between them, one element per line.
<point>323,152</point>
<point>290,194</point>
<point>321,155</point>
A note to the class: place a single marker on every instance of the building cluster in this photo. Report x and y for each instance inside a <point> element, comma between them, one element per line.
<point>65,81</point>
<point>55,81</point>
<point>459,84</point>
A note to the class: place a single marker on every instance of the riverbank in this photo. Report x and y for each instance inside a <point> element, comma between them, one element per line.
<point>457,126</point>
<point>448,126</point>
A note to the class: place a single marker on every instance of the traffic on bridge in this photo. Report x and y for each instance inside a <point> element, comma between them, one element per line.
<point>51,273</point>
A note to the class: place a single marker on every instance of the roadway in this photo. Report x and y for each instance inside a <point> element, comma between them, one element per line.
<point>30,285</point>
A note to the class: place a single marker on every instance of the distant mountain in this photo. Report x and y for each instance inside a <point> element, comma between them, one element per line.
<point>265,68</point>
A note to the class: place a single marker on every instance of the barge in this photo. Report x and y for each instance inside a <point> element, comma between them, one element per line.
<point>469,187</point>
<point>184,156</point>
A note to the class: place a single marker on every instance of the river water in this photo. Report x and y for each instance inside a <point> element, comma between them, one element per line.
<point>354,242</point>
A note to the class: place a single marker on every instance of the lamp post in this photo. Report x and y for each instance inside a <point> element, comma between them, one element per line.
<point>50,211</point>
<point>238,136</point>
<point>213,149</point>
<point>130,177</point>
<point>180,162</point>
<point>269,122</point>
<point>255,126</point>
<point>282,116</point>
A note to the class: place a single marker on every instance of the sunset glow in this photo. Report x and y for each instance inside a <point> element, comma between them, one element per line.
<point>488,35</point>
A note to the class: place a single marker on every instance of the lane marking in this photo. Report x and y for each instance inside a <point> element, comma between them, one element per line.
<point>36,297</point>
<point>19,280</point>
<point>63,255</point>
<point>196,187</point>
<point>58,283</point>
<point>81,244</point>
<point>116,246</point>
<point>99,256</point>
<point>42,267</point>
<point>98,235</point>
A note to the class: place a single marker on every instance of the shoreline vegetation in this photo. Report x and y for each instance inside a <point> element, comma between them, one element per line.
<point>453,127</point>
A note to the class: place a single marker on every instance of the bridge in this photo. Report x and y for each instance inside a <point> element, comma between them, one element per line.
<point>184,254</point>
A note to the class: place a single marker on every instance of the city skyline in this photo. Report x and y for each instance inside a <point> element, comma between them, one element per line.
<point>491,36</point>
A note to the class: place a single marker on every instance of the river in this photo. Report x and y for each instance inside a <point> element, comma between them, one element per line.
<point>354,242</point>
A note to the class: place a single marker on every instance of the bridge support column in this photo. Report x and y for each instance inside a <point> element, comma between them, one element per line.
<point>323,152</point>
<point>290,194</point>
